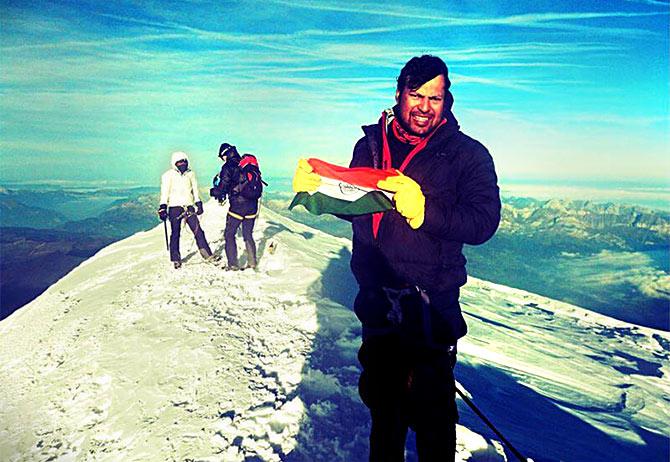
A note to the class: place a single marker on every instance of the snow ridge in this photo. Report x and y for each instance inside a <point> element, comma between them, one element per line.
<point>126,358</point>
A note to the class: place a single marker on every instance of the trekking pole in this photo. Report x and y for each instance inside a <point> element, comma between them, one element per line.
<point>479,413</point>
<point>167,244</point>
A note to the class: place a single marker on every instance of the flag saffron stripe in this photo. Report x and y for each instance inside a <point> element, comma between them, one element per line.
<point>365,177</point>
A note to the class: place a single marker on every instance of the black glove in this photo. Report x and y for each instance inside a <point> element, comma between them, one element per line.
<point>199,207</point>
<point>190,210</point>
<point>162,212</point>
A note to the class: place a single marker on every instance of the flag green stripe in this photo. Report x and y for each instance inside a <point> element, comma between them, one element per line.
<point>319,203</point>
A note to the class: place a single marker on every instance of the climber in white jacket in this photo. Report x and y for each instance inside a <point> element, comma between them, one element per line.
<point>180,200</point>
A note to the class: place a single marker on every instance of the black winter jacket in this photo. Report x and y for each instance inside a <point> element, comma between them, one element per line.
<point>458,179</point>
<point>230,180</point>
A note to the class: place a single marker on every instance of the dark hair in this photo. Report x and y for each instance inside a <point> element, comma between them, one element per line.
<point>420,70</point>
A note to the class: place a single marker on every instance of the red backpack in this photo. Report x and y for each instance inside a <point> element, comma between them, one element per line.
<point>251,182</point>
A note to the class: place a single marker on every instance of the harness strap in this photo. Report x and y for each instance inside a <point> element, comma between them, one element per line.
<point>242,217</point>
<point>394,295</point>
<point>395,317</point>
<point>395,313</point>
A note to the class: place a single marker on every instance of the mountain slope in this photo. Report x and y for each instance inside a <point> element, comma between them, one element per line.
<point>16,214</point>
<point>128,359</point>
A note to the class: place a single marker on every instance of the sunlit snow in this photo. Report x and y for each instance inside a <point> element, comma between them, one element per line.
<point>127,359</point>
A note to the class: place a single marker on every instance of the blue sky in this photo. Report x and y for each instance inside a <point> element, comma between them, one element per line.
<point>107,90</point>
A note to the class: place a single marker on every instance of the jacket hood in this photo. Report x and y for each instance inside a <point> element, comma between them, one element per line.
<point>178,155</point>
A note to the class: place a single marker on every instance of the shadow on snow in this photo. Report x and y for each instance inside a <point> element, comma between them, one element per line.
<point>336,423</point>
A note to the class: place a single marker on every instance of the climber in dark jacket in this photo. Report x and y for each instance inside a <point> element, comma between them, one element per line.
<point>409,262</point>
<point>242,210</point>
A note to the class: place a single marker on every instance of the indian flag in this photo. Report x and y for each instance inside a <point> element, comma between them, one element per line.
<point>346,191</point>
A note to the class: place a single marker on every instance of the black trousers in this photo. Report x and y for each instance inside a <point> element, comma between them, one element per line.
<point>407,381</point>
<point>175,215</point>
<point>232,225</point>
<point>408,387</point>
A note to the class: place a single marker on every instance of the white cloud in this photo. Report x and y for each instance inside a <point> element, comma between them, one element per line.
<point>520,20</point>
<point>71,45</point>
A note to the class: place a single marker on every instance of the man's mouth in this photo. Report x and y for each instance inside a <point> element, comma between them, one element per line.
<point>420,120</point>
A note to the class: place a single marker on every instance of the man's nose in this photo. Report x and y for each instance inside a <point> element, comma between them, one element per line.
<point>424,105</point>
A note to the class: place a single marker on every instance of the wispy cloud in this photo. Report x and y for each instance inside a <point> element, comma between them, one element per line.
<point>354,32</point>
<point>605,121</point>
<point>93,43</point>
<point>632,268</point>
<point>141,22</point>
<point>530,64</point>
<point>164,78</point>
<point>651,3</point>
<point>618,119</point>
<point>46,148</point>
<point>502,83</point>
<point>521,20</point>
<point>130,71</point>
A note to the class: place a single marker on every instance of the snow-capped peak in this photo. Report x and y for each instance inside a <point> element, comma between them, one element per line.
<point>126,358</point>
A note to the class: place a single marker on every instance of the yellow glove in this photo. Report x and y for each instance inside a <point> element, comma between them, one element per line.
<point>409,200</point>
<point>304,180</point>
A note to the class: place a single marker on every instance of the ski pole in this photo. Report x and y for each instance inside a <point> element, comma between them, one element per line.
<point>167,244</point>
<point>479,413</point>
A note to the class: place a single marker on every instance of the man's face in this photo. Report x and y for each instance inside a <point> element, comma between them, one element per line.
<point>421,109</point>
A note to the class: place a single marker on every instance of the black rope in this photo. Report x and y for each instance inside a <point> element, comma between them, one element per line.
<point>469,402</point>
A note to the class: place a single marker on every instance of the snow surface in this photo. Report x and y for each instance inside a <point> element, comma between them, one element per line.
<point>127,359</point>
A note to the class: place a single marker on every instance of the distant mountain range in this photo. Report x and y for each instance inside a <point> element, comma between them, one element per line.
<point>15,213</point>
<point>619,227</point>
<point>122,218</point>
<point>606,257</point>
<point>609,258</point>
<point>34,259</point>
<point>40,245</point>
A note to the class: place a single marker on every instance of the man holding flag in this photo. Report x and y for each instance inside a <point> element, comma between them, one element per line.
<point>434,189</point>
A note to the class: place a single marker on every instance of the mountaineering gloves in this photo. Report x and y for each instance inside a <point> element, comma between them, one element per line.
<point>409,200</point>
<point>304,180</point>
<point>162,212</point>
<point>199,208</point>
<point>190,210</point>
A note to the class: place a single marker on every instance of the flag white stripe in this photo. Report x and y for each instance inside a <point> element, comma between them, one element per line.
<point>345,191</point>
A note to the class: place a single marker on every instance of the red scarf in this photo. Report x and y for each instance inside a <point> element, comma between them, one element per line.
<point>386,155</point>
<point>403,135</point>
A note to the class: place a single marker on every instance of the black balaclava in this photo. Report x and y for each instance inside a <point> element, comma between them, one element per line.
<point>182,165</point>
